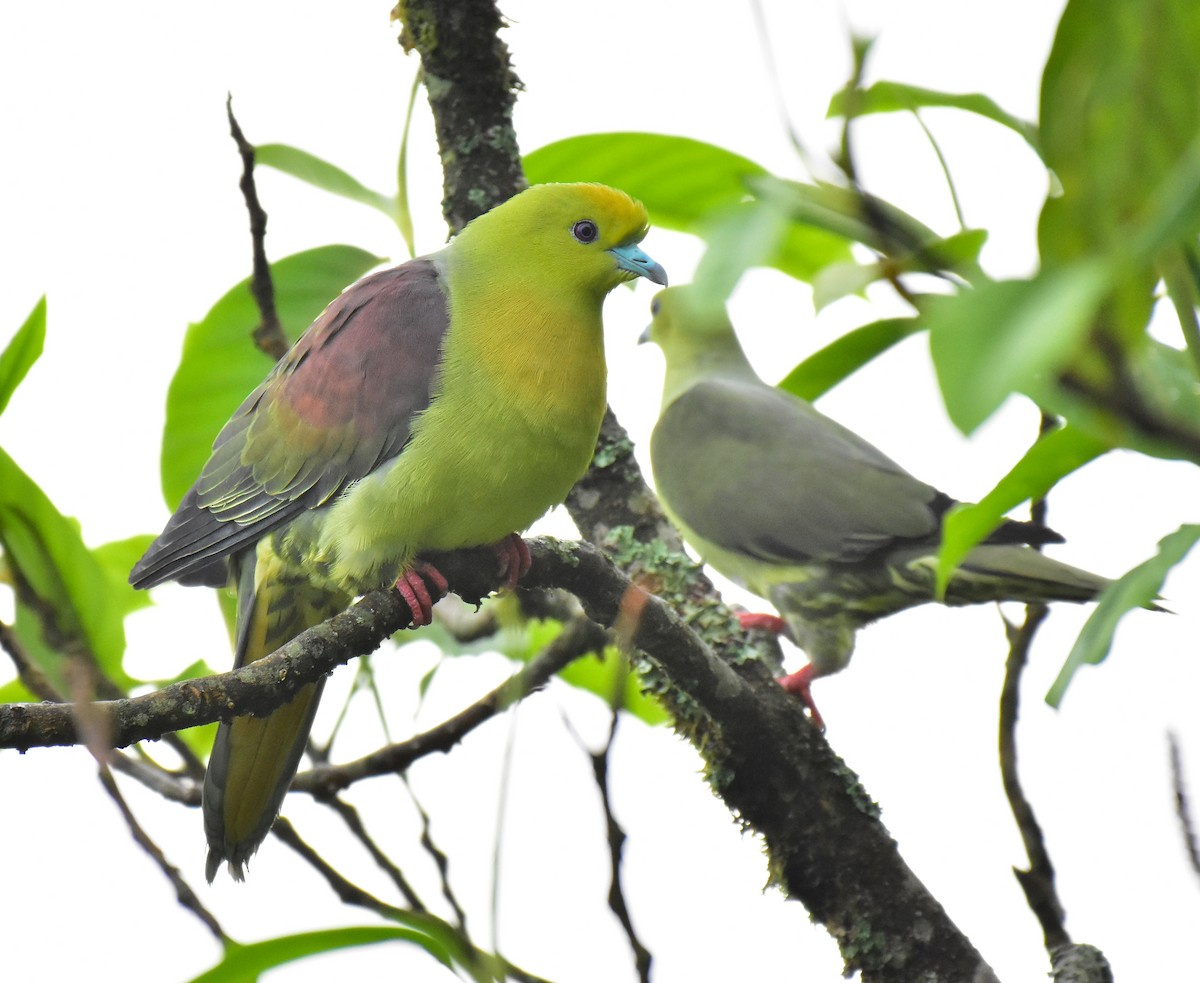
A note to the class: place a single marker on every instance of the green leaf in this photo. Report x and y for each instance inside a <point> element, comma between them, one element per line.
<point>739,237</point>
<point>245,963</point>
<point>1050,459</point>
<point>824,369</point>
<point>71,597</point>
<point>221,365</point>
<point>14,691</point>
<point>22,351</point>
<point>521,639</point>
<point>321,174</point>
<point>891,97</point>
<point>680,180</point>
<point>1003,337</point>
<point>1138,588</point>
<point>958,253</point>
<point>687,185</point>
<point>1119,109</point>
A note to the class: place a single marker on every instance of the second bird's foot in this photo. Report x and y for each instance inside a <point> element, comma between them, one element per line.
<point>799,684</point>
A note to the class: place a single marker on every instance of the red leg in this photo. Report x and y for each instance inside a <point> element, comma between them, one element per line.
<point>415,591</point>
<point>799,684</point>
<point>763,622</point>
<point>514,558</point>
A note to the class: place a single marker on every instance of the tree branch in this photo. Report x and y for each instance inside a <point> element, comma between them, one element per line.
<point>472,90</point>
<point>269,334</point>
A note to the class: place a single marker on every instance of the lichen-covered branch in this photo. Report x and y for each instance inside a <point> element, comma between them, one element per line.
<point>472,89</point>
<point>774,770</point>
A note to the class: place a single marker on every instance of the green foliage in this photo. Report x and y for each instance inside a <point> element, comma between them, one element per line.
<point>22,351</point>
<point>1055,455</point>
<point>245,963</point>
<point>221,364</point>
<point>891,97</point>
<point>1138,588</point>
<point>824,369</point>
<point>522,639</point>
<point>1004,337</point>
<point>696,187</point>
<point>71,600</point>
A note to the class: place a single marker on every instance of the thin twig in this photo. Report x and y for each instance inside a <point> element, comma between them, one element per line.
<point>269,334</point>
<point>1182,805</point>
<point>440,859</point>
<point>183,892</point>
<point>1038,880</point>
<point>351,894</point>
<point>577,638</point>
<point>350,816</point>
<point>616,844</point>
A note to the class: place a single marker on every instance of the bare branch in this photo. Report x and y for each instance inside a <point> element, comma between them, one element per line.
<point>1038,880</point>
<point>1182,805</point>
<point>183,892</point>
<point>269,334</point>
<point>351,894</point>
<point>616,845</point>
<point>578,638</point>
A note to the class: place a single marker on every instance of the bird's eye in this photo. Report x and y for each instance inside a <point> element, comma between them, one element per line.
<point>585,231</point>
<point>655,307</point>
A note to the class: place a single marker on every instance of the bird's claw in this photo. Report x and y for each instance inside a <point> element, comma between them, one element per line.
<point>515,561</point>
<point>799,684</point>
<point>414,585</point>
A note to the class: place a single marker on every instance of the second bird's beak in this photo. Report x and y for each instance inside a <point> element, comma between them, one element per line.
<point>631,258</point>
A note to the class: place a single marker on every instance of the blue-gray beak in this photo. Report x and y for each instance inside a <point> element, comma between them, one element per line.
<point>631,258</point>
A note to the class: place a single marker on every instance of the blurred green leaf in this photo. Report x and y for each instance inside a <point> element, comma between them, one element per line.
<point>687,185</point>
<point>1113,128</point>
<point>1002,337</point>
<point>22,351</point>
<point>824,369</point>
<point>221,365</point>
<point>521,639</point>
<point>245,963</point>
<point>72,594</point>
<point>1050,459</point>
<point>14,691</point>
<point>891,97</point>
<point>322,174</point>
<point>1138,588</point>
<point>739,237</point>
<point>958,253</point>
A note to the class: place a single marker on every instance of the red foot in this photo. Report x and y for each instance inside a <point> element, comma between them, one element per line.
<point>415,591</point>
<point>799,684</point>
<point>763,622</point>
<point>515,561</point>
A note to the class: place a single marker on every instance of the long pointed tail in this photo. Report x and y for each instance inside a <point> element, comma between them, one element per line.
<point>255,758</point>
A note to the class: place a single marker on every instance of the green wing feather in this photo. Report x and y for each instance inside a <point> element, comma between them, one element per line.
<point>336,407</point>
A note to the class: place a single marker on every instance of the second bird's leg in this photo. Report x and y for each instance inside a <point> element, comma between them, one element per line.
<point>798,683</point>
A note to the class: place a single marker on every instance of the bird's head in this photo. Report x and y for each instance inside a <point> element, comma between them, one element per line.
<point>686,318</point>
<point>579,234</point>
<point>696,337</point>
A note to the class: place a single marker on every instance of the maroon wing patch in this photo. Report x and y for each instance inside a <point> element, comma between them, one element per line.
<point>336,406</point>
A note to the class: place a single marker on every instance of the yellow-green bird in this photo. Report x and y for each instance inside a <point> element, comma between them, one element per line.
<point>448,402</point>
<point>805,513</point>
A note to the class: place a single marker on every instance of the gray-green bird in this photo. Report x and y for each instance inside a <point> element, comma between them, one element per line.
<point>793,506</point>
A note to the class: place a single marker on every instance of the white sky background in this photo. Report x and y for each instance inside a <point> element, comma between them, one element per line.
<point>118,197</point>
